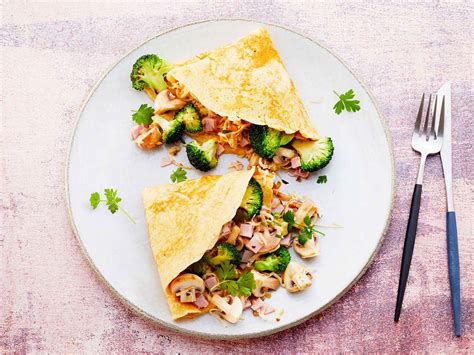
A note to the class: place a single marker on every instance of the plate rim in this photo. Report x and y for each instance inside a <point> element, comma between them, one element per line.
<point>145,315</point>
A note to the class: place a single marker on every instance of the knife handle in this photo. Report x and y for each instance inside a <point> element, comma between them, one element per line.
<point>408,248</point>
<point>453,265</point>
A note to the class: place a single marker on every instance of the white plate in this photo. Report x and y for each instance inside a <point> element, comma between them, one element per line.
<point>358,194</point>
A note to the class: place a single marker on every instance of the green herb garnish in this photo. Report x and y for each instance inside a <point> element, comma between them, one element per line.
<point>322,179</point>
<point>346,102</point>
<point>178,175</point>
<point>227,274</point>
<point>112,201</point>
<point>289,217</point>
<point>143,115</point>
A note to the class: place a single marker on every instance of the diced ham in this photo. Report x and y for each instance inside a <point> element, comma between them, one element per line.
<point>209,124</point>
<point>136,131</point>
<point>225,229</point>
<point>247,255</point>
<point>295,162</point>
<point>211,282</point>
<point>248,304</point>
<point>220,149</point>
<point>165,161</point>
<point>298,173</point>
<point>257,304</point>
<point>201,301</point>
<point>246,230</point>
<point>244,142</point>
<point>242,266</point>
<point>254,244</point>
<point>286,241</point>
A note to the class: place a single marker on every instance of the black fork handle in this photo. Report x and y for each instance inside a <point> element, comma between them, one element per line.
<point>408,248</point>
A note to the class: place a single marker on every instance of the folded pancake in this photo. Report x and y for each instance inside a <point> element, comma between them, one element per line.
<point>184,221</point>
<point>246,80</point>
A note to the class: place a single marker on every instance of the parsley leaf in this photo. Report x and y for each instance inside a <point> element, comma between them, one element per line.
<point>322,179</point>
<point>289,217</point>
<point>346,102</point>
<point>111,200</point>
<point>143,115</point>
<point>306,232</point>
<point>178,175</point>
<point>227,273</point>
<point>246,284</point>
<point>94,199</point>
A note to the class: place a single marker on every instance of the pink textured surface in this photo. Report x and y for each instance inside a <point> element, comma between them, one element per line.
<point>50,300</point>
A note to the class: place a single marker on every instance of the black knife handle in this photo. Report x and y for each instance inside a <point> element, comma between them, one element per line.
<point>408,248</point>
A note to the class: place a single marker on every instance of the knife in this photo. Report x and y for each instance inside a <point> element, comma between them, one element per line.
<point>451,231</point>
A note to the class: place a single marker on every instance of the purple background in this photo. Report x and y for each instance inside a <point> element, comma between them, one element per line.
<point>52,54</point>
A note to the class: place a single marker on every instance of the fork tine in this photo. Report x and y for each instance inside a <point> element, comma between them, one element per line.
<point>433,120</point>
<point>427,118</point>
<point>441,121</point>
<point>420,113</point>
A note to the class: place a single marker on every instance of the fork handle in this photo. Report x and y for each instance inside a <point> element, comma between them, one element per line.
<point>408,248</point>
<point>453,265</point>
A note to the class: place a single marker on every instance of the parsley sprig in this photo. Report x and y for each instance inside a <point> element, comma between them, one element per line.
<point>227,275</point>
<point>322,179</point>
<point>111,200</point>
<point>307,231</point>
<point>143,115</point>
<point>178,175</point>
<point>289,217</point>
<point>346,102</point>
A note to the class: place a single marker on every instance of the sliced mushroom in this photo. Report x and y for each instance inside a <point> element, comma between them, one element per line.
<point>309,249</point>
<point>297,277</point>
<point>306,209</point>
<point>186,286</point>
<point>270,242</point>
<point>263,283</point>
<point>166,101</point>
<point>285,152</point>
<point>230,307</point>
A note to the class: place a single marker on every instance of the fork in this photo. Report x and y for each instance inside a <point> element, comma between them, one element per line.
<point>426,143</point>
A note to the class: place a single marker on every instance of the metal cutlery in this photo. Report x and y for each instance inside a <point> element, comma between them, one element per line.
<point>426,141</point>
<point>451,230</point>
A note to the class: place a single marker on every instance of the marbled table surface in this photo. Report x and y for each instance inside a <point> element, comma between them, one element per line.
<point>52,54</point>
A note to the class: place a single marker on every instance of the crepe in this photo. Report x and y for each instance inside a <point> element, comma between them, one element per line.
<point>246,80</point>
<point>184,221</point>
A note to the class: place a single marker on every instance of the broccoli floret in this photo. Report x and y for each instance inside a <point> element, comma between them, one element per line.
<point>149,70</point>
<point>264,140</point>
<point>226,252</point>
<point>251,202</point>
<point>276,261</point>
<point>172,130</point>
<point>314,155</point>
<point>204,156</point>
<point>191,118</point>
<point>280,225</point>
<point>200,267</point>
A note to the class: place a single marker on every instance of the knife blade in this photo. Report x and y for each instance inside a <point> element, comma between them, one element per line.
<point>446,154</point>
<point>451,230</point>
